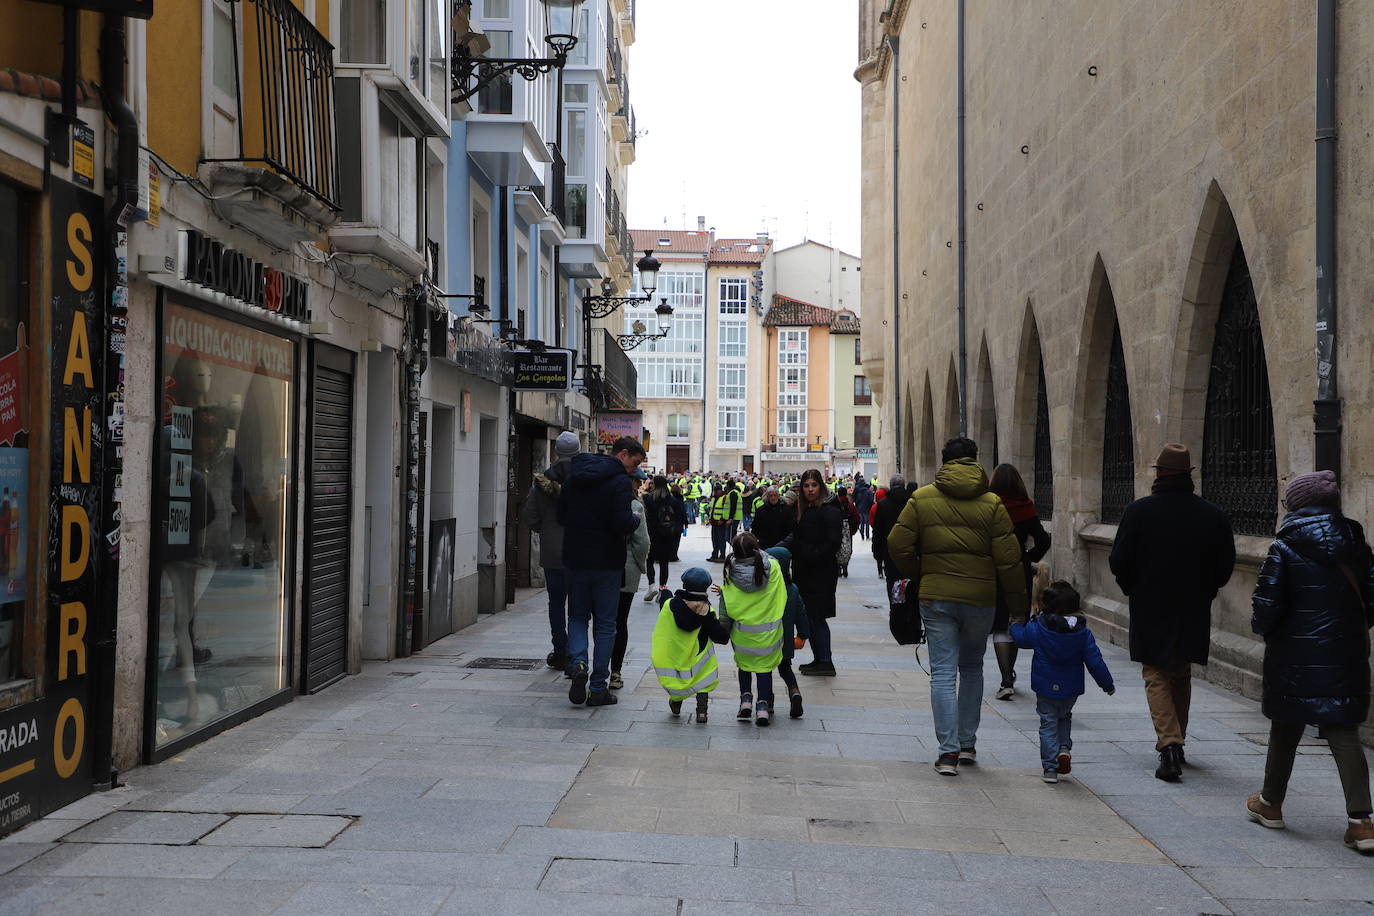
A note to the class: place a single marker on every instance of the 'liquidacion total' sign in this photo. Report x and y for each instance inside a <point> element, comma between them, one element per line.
<point>212,265</point>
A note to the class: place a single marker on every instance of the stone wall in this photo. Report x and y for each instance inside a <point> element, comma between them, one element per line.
<point>1115,152</point>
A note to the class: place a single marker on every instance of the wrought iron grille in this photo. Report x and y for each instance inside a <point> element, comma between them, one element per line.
<point>1118,445</point>
<point>1238,468</point>
<point>558,185</point>
<point>1044,462</point>
<point>288,123</point>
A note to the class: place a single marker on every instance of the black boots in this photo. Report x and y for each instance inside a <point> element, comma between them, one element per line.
<point>1170,763</point>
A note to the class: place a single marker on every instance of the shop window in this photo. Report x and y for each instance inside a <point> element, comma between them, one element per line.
<point>14,438</point>
<point>222,545</point>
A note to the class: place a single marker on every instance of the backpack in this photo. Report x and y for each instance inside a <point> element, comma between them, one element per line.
<point>904,613</point>
<point>846,543</point>
<point>665,518</point>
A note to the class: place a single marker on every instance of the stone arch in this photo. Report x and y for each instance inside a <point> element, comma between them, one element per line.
<point>1030,421</point>
<point>1100,328</point>
<point>907,460</point>
<point>983,422</point>
<point>928,449</point>
<point>951,413</point>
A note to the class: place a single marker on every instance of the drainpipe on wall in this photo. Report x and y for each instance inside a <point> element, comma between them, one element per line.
<point>963,243</point>
<point>892,44</point>
<point>1327,407</point>
<point>113,78</point>
<point>705,344</point>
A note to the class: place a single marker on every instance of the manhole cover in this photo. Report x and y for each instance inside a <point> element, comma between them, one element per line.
<point>507,664</point>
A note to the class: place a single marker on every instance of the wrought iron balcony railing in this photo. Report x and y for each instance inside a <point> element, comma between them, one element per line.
<point>285,96</point>
<point>617,381</point>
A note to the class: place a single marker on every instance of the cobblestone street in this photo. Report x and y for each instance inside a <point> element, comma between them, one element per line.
<point>425,786</point>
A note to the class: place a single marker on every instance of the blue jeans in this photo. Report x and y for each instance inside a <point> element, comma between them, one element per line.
<point>957,634</point>
<point>1056,727</point>
<point>692,511</point>
<point>556,583</point>
<point>593,596</point>
<point>765,680</point>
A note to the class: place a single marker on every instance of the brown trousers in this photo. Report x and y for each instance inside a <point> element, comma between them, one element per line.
<point>1169,691</point>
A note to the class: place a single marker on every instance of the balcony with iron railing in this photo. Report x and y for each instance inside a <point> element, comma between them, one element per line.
<point>287,157</point>
<point>612,381</point>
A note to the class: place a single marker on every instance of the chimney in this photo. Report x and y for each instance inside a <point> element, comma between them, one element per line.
<point>701,224</point>
<point>763,239</point>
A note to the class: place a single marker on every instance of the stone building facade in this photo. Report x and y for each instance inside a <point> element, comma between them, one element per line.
<point>1141,173</point>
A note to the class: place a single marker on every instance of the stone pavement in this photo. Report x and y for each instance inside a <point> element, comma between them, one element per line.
<point>426,786</point>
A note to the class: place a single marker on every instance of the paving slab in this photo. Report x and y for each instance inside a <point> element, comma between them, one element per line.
<point>299,830</point>
<point>164,828</point>
<point>172,897</point>
<point>313,898</point>
<point>674,881</point>
<point>21,895</point>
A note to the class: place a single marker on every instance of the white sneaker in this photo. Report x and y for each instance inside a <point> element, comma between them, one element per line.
<point>651,594</point>
<point>1005,693</point>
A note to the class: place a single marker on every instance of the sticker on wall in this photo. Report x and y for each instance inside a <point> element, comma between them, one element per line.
<point>14,370</point>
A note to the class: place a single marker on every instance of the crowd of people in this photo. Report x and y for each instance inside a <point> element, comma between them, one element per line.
<point>970,551</point>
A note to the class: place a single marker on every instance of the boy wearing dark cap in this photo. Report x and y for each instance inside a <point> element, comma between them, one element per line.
<point>683,651</point>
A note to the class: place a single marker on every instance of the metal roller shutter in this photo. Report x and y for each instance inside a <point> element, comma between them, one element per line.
<point>325,651</point>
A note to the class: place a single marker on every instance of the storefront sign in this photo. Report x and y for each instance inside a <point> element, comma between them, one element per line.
<point>611,426</point>
<point>210,264</point>
<point>45,746</point>
<point>550,370</point>
<point>83,155</point>
<point>211,339</point>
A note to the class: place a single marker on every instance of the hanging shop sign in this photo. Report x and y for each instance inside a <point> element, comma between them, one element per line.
<point>550,370</point>
<point>214,266</point>
<point>612,426</point>
<point>45,745</point>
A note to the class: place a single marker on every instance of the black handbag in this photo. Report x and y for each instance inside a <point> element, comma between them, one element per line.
<point>904,613</point>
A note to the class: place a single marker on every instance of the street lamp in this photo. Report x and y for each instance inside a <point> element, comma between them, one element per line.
<point>471,73</point>
<point>664,311</point>
<point>605,305</point>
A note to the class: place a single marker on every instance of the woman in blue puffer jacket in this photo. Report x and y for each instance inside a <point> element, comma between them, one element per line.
<point>1312,606</point>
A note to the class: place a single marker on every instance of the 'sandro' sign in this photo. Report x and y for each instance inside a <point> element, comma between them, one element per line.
<point>210,264</point>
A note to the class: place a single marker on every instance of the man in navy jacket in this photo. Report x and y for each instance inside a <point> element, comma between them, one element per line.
<point>594,510</point>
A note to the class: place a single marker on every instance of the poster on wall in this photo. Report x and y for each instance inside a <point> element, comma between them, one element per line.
<point>14,371</point>
<point>14,523</point>
<point>611,426</point>
<point>442,538</point>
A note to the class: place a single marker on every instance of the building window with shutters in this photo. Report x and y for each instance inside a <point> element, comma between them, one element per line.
<point>223,488</point>
<point>863,432</point>
<point>1118,446</point>
<point>858,351</point>
<point>1238,466</point>
<point>863,394</point>
<point>1044,462</point>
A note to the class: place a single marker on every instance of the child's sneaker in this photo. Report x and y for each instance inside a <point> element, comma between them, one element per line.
<point>1065,761</point>
<point>616,681</point>
<point>746,707</point>
<point>761,714</point>
<point>703,701</point>
<point>1051,775</point>
<point>675,707</point>
<point>796,711</point>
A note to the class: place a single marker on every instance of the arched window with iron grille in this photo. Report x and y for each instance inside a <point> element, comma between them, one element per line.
<point>1118,445</point>
<point>1238,467</point>
<point>1044,463</point>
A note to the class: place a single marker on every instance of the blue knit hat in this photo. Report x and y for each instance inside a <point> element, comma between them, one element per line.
<point>696,581</point>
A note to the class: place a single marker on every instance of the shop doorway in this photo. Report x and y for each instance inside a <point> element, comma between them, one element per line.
<point>678,457</point>
<point>329,526</point>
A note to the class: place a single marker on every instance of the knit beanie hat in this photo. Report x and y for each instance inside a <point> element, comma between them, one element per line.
<point>566,445</point>
<point>696,581</point>
<point>1316,489</point>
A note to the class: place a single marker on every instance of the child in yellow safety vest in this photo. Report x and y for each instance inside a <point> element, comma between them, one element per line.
<point>753,599</point>
<point>682,650</point>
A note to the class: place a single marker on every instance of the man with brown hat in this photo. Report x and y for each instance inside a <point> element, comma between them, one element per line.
<point>1173,553</point>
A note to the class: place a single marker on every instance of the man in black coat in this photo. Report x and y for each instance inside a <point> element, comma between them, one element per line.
<point>774,519</point>
<point>594,510</point>
<point>884,517</point>
<point>863,501</point>
<point>1173,553</point>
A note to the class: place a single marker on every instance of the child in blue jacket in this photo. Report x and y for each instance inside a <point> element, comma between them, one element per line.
<point>1063,646</point>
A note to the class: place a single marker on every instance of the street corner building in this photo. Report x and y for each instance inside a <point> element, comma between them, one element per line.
<point>255,426</point>
<point>1097,228</point>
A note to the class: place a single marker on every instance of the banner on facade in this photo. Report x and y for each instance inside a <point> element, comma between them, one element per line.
<point>550,370</point>
<point>611,426</point>
<point>205,337</point>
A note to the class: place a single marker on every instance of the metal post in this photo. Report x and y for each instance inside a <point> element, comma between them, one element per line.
<point>1327,407</point>
<point>894,46</point>
<point>963,243</point>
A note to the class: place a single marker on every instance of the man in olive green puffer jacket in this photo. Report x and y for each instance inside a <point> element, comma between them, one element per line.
<point>957,538</point>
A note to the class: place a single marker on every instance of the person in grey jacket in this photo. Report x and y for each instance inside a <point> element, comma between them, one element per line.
<point>541,515</point>
<point>636,565</point>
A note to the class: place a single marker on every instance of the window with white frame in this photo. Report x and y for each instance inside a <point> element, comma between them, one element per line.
<point>669,376</point>
<point>792,428</point>
<point>498,96</point>
<point>731,382</point>
<point>734,339</point>
<point>791,386</point>
<point>792,346</point>
<point>362,32</point>
<point>730,426</point>
<point>679,426</point>
<point>734,295</point>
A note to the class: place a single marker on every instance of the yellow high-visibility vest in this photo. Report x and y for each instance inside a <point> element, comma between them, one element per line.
<point>757,631</point>
<point>682,667</point>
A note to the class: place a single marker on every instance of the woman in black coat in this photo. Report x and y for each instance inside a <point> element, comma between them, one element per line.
<point>814,542</point>
<point>1312,606</point>
<point>1008,484</point>
<point>666,515</point>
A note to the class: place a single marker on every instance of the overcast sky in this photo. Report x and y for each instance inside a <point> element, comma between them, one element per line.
<point>749,115</point>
